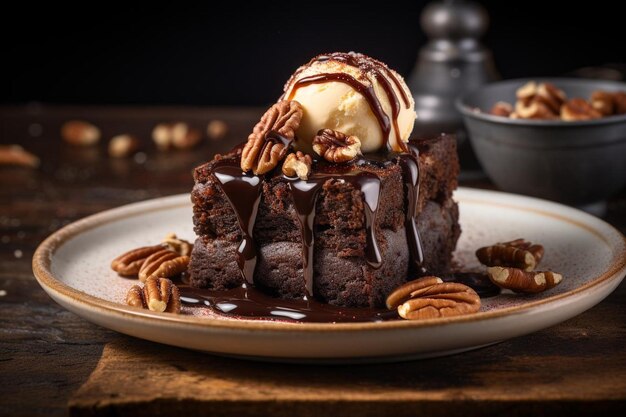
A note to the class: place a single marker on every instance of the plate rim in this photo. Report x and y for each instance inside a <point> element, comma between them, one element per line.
<point>42,260</point>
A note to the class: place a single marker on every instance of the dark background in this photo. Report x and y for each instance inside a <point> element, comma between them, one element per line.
<point>242,54</point>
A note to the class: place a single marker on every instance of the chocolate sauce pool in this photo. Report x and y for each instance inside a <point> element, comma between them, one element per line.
<point>250,303</point>
<point>247,302</point>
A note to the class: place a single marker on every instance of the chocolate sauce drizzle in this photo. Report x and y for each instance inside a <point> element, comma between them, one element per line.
<point>243,192</point>
<point>372,68</point>
<point>305,194</point>
<point>410,174</point>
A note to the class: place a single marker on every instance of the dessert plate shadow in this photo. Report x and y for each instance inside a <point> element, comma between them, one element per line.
<point>72,266</point>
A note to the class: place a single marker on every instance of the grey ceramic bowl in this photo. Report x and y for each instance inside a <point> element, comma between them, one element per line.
<point>576,163</point>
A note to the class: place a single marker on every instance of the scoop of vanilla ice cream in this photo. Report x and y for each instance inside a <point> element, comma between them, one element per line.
<point>337,105</point>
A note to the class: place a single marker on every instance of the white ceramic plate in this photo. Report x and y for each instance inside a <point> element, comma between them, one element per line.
<point>72,266</point>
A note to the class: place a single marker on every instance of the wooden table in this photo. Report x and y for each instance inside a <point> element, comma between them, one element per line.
<point>48,355</point>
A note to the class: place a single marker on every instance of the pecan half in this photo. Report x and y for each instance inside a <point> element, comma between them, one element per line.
<point>261,154</point>
<point>179,135</point>
<point>522,281</point>
<point>501,108</point>
<point>403,292</point>
<point>298,165</point>
<point>619,98</point>
<point>534,248</point>
<point>129,263</point>
<point>603,102</point>
<point>165,263</point>
<point>578,109</point>
<point>122,146</point>
<point>134,297</point>
<point>539,101</point>
<point>336,146</point>
<point>430,297</point>
<point>180,246</point>
<point>80,133</point>
<point>184,136</point>
<point>551,96</point>
<point>534,109</point>
<point>158,294</point>
<point>133,262</point>
<point>517,253</point>
<point>162,136</point>
<point>216,129</point>
<point>18,156</point>
<point>527,91</point>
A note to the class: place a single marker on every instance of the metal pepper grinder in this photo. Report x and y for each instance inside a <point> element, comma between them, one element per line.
<point>451,63</point>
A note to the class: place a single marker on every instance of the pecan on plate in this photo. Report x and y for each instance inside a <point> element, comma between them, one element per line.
<point>129,263</point>
<point>578,109</point>
<point>157,294</point>
<point>518,280</point>
<point>165,263</point>
<point>335,146</point>
<point>536,249</point>
<point>180,246</point>
<point>516,253</point>
<point>298,165</point>
<point>168,259</point>
<point>262,152</point>
<point>430,297</point>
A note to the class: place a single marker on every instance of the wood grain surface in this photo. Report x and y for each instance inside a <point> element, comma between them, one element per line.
<point>53,362</point>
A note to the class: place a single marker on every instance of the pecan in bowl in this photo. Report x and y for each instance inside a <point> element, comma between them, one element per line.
<point>579,109</point>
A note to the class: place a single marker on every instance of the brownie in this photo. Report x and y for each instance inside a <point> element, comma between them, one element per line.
<point>342,274</point>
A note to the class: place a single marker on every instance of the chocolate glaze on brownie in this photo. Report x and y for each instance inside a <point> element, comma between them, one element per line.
<point>338,243</point>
